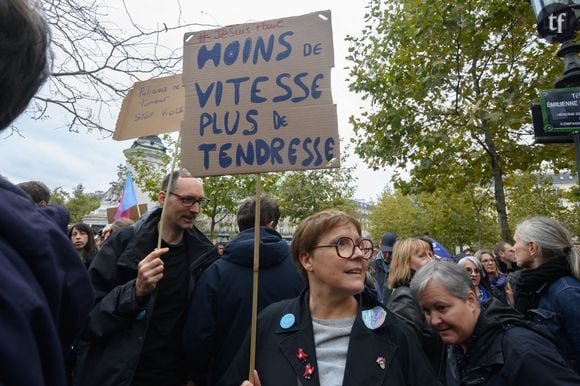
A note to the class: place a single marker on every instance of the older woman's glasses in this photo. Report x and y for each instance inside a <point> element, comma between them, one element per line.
<point>189,201</point>
<point>473,271</point>
<point>345,247</point>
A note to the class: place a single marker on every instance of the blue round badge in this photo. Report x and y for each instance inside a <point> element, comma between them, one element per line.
<point>287,321</point>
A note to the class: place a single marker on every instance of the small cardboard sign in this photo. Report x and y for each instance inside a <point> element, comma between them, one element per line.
<point>560,110</point>
<point>151,107</point>
<point>258,97</point>
<point>133,213</point>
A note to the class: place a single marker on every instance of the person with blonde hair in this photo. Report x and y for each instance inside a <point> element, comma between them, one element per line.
<point>548,291</point>
<point>409,255</point>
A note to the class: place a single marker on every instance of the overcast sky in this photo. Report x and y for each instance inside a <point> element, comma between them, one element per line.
<point>48,152</point>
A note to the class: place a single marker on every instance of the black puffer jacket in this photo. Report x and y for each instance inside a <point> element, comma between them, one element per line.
<point>405,306</point>
<point>110,348</point>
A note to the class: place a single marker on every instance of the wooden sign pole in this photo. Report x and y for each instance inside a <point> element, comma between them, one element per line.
<point>255,289</point>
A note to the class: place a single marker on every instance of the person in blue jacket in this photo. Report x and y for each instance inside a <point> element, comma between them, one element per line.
<point>548,291</point>
<point>220,313</point>
<point>45,293</point>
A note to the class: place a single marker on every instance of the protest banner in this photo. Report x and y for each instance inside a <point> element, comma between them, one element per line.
<point>258,97</point>
<point>151,107</point>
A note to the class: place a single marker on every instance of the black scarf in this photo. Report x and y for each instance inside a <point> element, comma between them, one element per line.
<point>532,281</point>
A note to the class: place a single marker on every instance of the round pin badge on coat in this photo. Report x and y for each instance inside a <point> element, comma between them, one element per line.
<point>287,321</point>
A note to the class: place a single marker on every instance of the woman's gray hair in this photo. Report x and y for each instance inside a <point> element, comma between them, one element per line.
<point>451,276</point>
<point>552,238</point>
<point>475,262</point>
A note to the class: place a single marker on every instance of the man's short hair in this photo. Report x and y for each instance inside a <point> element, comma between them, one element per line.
<point>37,191</point>
<point>24,59</point>
<point>269,212</point>
<point>499,248</point>
<point>184,173</point>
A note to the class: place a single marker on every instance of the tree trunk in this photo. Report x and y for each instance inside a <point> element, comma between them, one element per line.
<point>499,193</point>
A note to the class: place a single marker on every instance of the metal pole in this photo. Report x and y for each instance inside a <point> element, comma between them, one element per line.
<point>576,136</point>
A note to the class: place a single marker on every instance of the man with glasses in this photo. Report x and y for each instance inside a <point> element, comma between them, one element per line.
<point>134,331</point>
<point>221,310</point>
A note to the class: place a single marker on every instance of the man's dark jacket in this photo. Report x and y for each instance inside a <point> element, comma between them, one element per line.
<point>220,313</point>
<point>110,347</point>
<point>385,353</point>
<point>45,293</point>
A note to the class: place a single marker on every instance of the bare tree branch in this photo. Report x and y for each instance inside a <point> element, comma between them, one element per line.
<point>96,62</point>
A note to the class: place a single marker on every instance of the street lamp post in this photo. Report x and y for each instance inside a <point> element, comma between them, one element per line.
<point>557,22</point>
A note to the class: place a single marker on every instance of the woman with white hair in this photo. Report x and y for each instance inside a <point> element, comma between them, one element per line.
<point>483,289</point>
<point>494,345</point>
<point>549,290</point>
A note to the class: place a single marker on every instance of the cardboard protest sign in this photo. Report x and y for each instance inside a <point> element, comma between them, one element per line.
<point>151,107</point>
<point>258,97</point>
<point>135,213</point>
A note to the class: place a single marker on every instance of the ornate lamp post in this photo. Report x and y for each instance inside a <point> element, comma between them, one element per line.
<point>557,22</point>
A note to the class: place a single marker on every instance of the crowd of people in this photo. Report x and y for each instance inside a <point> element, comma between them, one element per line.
<point>158,303</point>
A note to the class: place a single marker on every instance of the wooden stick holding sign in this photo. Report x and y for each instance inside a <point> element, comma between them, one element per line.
<point>258,99</point>
<point>162,219</point>
<point>254,324</point>
<point>253,98</point>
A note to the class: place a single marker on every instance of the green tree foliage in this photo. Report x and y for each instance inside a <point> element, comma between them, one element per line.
<point>460,218</point>
<point>534,195</point>
<point>450,85</point>
<point>469,221</point>
<point>78,203</point>
<point>395,212</point>
<point>302,193</point>
<point>59,196</point>
<point>226,192</point>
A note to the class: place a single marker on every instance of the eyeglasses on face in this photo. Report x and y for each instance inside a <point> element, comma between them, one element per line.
<point>473,271</point>
<point>487,261</point>
<point>345,247</point>
<point>189,201</point>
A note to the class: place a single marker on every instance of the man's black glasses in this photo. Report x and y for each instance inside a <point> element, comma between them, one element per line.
<point>345,247</point>
<point>189,201</point>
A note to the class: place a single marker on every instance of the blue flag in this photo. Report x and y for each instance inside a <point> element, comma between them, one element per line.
<point>128,200</point>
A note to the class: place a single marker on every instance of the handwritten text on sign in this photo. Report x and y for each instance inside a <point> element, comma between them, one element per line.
<point>151,107</point>
<point>258,97</point>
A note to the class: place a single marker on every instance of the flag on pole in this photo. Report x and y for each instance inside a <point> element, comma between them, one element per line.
<point>128,200</point>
